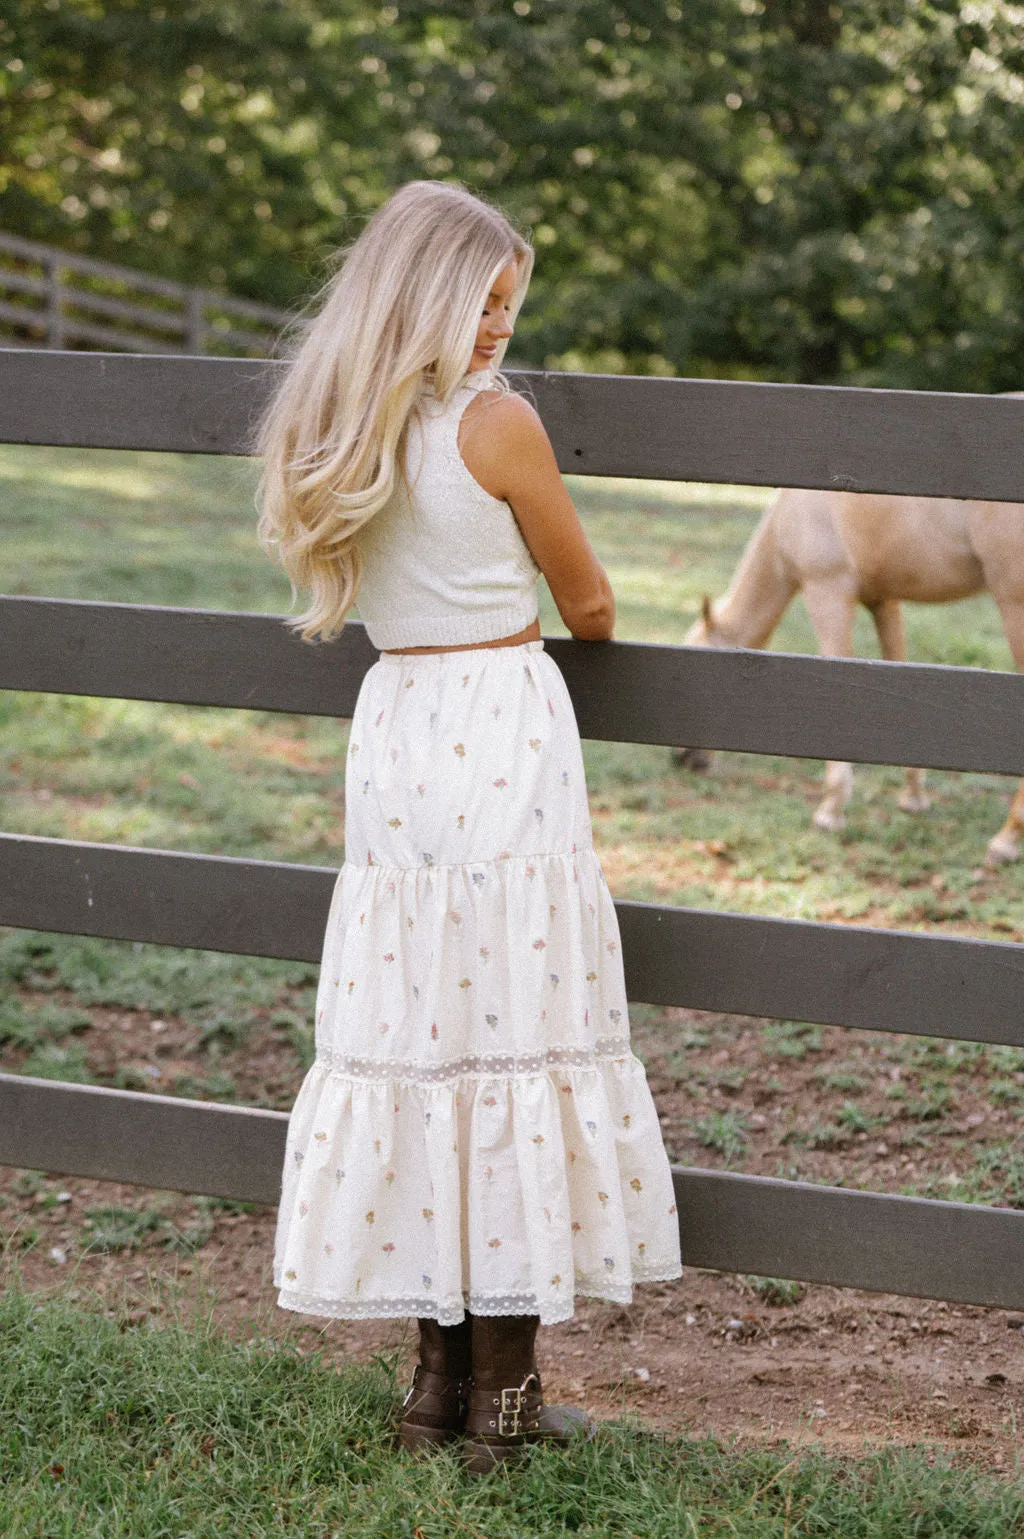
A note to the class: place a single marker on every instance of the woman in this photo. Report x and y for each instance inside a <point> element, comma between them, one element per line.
<point>475,1143</point>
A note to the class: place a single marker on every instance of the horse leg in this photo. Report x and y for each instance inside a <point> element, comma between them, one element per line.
<point>831,607</point>
<point>888,618</point>
<point>1005,845</point>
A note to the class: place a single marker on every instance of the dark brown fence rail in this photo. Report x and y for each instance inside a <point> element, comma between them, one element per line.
<point>877,712</point>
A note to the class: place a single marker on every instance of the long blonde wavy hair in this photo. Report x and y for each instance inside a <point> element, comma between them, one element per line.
<point>401,311</point>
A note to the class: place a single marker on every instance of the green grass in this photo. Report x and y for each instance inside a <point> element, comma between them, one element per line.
<point>111,1432</point>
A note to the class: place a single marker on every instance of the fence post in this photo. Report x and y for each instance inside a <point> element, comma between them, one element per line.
<point>54,296</point>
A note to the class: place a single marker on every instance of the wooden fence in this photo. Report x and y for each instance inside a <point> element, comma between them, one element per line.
<point>879,980</point>
<point>52,298</point>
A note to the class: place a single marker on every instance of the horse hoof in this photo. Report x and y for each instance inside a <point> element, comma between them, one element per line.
<point>828,821</point>
<point>910,803</point>
<point>1001,850</point>
<point>696,759</point>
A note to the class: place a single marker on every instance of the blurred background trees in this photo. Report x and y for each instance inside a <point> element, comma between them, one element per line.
<point>778,189</point>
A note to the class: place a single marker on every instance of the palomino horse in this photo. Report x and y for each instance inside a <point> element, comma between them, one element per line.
<point>841,549</point>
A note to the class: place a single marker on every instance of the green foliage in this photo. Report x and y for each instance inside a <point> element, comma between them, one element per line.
<point>114,1434</point>
<point>725,1132</point>
<point>779,1292</point>
<point>780,188</point>
<point>119,1228</point>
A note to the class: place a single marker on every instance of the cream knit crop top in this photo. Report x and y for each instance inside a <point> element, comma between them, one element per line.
<point>443,562</point>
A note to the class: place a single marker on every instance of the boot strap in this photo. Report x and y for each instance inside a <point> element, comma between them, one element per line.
<point>506,1413</point>
<point>427,1384</point>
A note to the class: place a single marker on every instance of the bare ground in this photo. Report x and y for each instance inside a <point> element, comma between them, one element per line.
<point>710,1354</point>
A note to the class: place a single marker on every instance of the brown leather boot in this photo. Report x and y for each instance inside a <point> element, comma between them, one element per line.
<point>434,1410</point>
<point>506,1403</point>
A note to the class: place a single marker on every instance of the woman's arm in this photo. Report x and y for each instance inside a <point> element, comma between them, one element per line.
<point>505,447</point>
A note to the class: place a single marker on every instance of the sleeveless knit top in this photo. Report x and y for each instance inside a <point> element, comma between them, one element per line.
<point>443,562</point>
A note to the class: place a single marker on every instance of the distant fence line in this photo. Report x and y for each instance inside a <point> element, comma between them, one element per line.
<point>52,298</point>
<point>875,979</point>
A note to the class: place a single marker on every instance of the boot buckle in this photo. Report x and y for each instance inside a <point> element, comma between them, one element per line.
<point>510,1410</point>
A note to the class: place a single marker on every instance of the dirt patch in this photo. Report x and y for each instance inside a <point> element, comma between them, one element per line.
<point>731,1356</point>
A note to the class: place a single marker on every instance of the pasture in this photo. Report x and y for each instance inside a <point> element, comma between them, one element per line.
<point>775,1098</point>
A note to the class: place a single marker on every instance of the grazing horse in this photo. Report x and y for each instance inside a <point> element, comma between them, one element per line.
<point>841,549</point>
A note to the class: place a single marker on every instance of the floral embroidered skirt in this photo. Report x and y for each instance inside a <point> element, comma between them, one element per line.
<point>475,1133</point>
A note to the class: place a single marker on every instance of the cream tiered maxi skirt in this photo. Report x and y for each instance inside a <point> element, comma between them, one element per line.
<point>475,1133</point>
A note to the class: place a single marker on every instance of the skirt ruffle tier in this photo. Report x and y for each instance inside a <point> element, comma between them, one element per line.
<point>475,1133</point>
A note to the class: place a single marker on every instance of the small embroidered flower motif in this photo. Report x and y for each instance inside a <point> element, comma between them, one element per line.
<point>320,1016</point>
<point>290,1274</point>
<point>465,680</point>
<point>319,1137</point>
<point>460,821</point>
<point>495,711</point>
<point>460,750</point>
<point>394,755</point>
<point>572,1156</point>
<point>353,749</point>
<point>592,909</point>
<point>328,1250</point>
<point>540,945</point>
<point>454,916</point>
<point>488,1173</point>
<point>641,1246</point>
<point>421,789</point>
<point>384,1026</point>
<point>637,1185</point>
<point>566,1089</point>
<point>433,718</point>
<point>531,872</point>
<point>551,709</point>
<point>369,858</point>
<point>388,1248</point>
<point>428,860</point>
<point>389,956</point>
<point>484,953</point>
<point>672,1209</point>
<point>478,879</point>
<point>366,788</point>
<point>389,1177</point>
<point>554,980</point>
<point>556,1279</point>
<point>303,1209</point>
<point>380,718</point>
<point>339,1176</point>
<point>299,1156</point>
<point>565,777</point>
<point>433,1031</point>
<point>409,683</point>
<point>615,1016</point>
<point>465,983</point>
<point>626,1120</point>
<point>371,1217</point>
<point>609,1263</point>
<point>490,1100</point>
<point>602,1198</point>
<point>494,1244</point>
<point>611,946</point>
<point>538,813</point>
<point>592,1129</point>
<point>591,977</point>
<point>427,1280</point>
<point>552,909</point>
<point>500,783</point>
<point>428,1214</point>
<point>576,1226</point>
<point>426,1119</point>
<point>547,1214</point>
<point>492,1020</point>
<point>538,1139</point>
<point>535,743</point>
<point>394,822</point>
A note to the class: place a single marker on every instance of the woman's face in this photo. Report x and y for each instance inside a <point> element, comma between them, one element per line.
<point>495,324</point>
